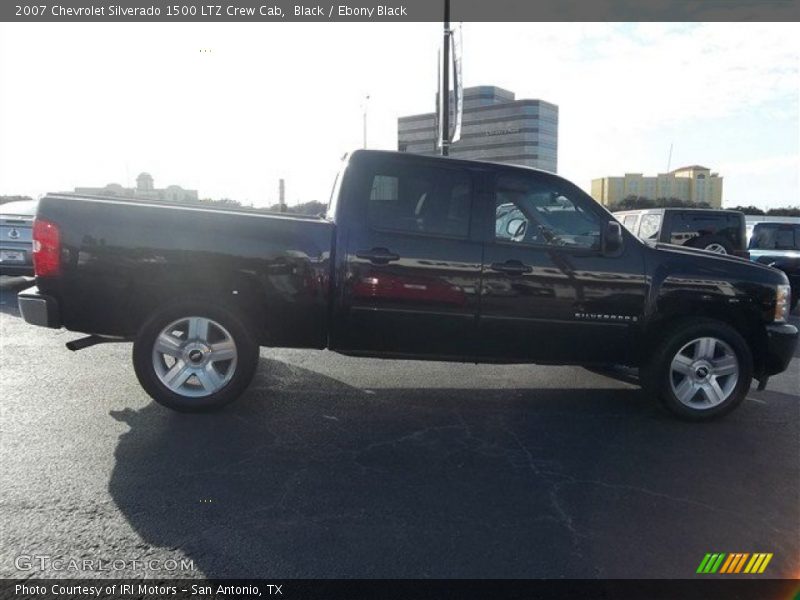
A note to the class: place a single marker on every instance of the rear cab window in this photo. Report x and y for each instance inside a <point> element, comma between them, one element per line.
<point>420,199</point>
<point>775,236</point>
<point>688,226</point>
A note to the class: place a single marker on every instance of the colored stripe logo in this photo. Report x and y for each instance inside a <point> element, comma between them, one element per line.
<point>735,562</point>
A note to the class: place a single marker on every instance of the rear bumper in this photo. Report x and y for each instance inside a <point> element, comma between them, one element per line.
<point>12,269</point>
<point>781,344</point>
<point>39,309</point>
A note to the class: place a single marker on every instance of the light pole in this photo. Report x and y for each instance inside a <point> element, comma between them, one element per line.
<point>366,103</point>
<point>444,101</point>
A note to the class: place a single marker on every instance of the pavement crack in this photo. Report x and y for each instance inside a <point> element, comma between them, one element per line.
<point>563,515</point>
<point>568,479</point>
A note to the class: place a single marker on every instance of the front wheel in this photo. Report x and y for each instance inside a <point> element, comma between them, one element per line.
<point>195,357</point>
<point>701,370</point>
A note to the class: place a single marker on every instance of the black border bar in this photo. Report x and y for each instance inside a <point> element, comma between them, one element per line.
<point>712,588</point>
<point>402,10</point>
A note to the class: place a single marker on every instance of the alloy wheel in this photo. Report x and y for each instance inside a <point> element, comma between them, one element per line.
<point>194,356</point>
<point>704,373</point>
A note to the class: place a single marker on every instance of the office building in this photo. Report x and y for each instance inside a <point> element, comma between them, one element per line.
<point>495,127</point>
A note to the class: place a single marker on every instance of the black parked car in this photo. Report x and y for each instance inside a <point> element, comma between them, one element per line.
<point>720,231</point>
<point>418,257</point>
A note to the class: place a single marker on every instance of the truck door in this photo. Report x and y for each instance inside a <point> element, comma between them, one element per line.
<point>548,292</point>
<point>412,263</point>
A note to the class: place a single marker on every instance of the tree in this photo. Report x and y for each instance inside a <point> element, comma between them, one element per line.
<point>633,202</point>
<point>222,202</point>
<point>789,211</point>
<point>638,202</point>
<point>309,208</point>
<point>748,210</point>
<point>784,211</point>
<point>677,202</point>
<point>313,207</point>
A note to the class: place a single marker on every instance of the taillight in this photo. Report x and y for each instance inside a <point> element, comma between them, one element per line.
<point>46,248</point>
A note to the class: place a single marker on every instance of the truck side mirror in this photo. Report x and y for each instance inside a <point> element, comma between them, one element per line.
<point>612,239</point>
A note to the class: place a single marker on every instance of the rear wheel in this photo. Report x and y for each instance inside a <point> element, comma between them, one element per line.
<point>702,370</point>
<point>195,357</point>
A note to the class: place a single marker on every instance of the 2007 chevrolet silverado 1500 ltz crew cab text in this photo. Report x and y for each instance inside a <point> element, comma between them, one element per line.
<point>418,258</point>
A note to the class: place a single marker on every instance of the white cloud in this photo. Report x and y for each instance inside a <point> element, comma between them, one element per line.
<point>765,166</point>
<point>627,92</point>
<point>85,105</point>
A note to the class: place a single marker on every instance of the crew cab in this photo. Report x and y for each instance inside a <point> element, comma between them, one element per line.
<point>417,258</point>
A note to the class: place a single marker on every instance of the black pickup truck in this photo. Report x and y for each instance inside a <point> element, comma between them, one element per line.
<point>418,257</point>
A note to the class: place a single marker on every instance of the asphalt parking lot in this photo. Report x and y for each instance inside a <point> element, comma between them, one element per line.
<point>340,467</point>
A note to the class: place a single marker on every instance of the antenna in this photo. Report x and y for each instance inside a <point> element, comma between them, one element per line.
<point>669,160</point>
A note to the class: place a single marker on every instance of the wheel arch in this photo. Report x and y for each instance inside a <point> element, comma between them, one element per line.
<point>237,292</point>
<point>747,326</point>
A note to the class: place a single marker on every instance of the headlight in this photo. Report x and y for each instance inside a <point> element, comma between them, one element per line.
<point>782,303</point>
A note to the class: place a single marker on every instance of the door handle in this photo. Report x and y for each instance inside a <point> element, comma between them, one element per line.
<point>378,256</point>
<point>511,267</point>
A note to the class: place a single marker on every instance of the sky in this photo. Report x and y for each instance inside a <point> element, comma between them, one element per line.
<point>230,108</point>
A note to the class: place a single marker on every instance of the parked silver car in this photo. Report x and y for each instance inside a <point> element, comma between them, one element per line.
<point>16,242</point>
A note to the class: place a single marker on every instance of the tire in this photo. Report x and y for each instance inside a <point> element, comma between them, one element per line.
<point>713,243</point>
<point>195,356</point>
<point>683,370</point>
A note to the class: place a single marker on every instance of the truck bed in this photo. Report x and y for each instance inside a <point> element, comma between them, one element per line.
<point>120,257</point>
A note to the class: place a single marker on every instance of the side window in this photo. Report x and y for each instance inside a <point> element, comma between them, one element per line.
<point>690,226</point>
<point>510,223</point>
<point>784,240</point>
<point>629,222</point>
<point>763,238</point>
<point>650,227</point>
<point>421,200</point>
<point>533,210</point>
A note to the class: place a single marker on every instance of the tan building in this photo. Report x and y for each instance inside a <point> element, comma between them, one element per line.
<point>144,190</point>
<point>690,184</point>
